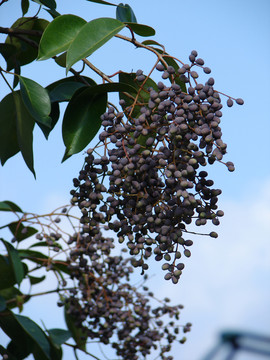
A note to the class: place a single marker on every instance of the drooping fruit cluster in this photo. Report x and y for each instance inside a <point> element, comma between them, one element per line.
<point>107,308</point>
<point>148,185</point>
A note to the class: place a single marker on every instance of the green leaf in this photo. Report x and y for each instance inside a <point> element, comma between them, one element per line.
<point>15,261</point>
<point>54,115</point>
<point>21,345</point>
<point>21,232</point>
<point>51,4</point>
<point>152,42</point>
<point>6,268</point>
<point>36,335</point>
<point>91,37</point>
<point>13,293</point>
<point>25,53</point>
<point>17,71</point>
<point>53,13</point>
<point>8,135</point>
<point>58,35</point>
<point>102,2</point>
<point>144,95</point>
<point>86,106</point>
<point>3,304</point>
<point>140,29</point>
<point>82,121</point>
<point>9,206</point>
<point>36,100</point>
<point>77,333</point>
<point>125,13</point>
<point>81,80</point>
<point>59,336</point>
<point>36,280</point>
<point>25,6</point>
<point>24,127</point>
<point>65,91</point>
<point>61,59</point>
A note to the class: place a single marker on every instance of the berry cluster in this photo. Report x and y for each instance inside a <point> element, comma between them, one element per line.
<point>106,307</point>
<point>148,185</point>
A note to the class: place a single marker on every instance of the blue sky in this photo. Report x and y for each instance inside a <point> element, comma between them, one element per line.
<point>226,281</point>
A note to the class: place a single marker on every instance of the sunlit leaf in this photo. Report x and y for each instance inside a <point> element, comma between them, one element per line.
<point>58,35</point>
<point>82,121</point>
<point>91,37</point>
<point>36,100</point>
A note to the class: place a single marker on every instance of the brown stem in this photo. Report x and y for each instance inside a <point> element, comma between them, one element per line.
<point>18,31</point>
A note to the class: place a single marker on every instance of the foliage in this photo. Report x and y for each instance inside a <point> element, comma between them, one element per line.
<point>136,181</point>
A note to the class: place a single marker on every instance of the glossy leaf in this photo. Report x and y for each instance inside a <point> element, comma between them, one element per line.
<point>59,35</point>
<point>24,127</point>
<point>25,53</point>
<point>15,261</point>
<point>9,206</point>
<point>140,29</point>
<point>82,121</point>
<point>86,106</point>
<point>8,280</point>
<point>21,232</point>
<point>91,37</point>
<point>36,100</point>
<point>102,2</point>
<point>125,13</point>
<point>65,91</point>
<point>25,6</point>
<point>36,334</point>
<point>59,336</point>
